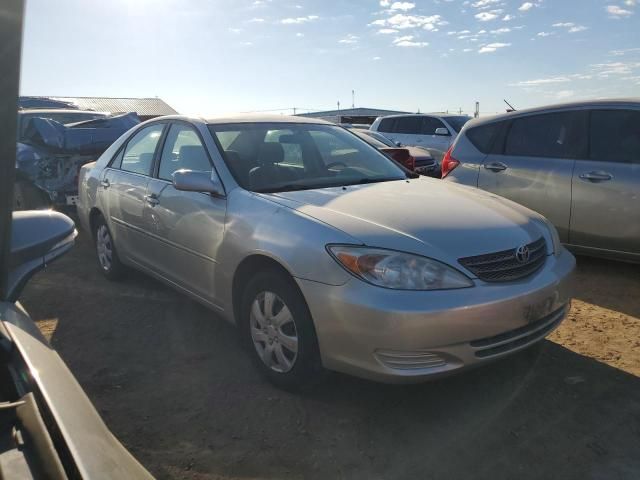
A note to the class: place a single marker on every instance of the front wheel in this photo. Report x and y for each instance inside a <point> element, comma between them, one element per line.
<point>107,255</point>
<point>279,332</point>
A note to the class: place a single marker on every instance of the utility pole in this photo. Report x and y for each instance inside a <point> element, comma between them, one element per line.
<point>294,110</point>
<point>353,99</point>
<point>477,114</point>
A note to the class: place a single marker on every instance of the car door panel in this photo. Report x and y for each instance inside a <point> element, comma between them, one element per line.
<point>606,188</point>
<point>534,164</point>
<point>186,228</point>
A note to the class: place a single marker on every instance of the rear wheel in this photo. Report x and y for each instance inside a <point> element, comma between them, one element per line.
<point>107,255</point>
<point>279,332</point>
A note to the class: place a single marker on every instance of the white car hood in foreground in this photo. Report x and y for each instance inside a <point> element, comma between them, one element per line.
<point>425,216</point>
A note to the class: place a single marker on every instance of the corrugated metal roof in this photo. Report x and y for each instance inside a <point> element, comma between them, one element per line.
<point>142,106</point>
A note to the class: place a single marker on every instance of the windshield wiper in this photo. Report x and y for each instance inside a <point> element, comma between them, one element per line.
<point>289,187</point>
<point>363,181</point>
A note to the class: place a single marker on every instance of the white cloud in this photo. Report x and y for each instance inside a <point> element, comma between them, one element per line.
<point>507,18</point>
<point>404,6</point>
<point>299,34</point>
<point>486,16</point>
<point>564,94</point>
<point>570,26</point>
<point>500,31</point>
<point>408,41</point>
<point>577,28</point>
<point>376,58</point>
<point>402,21</point>
<point>384,3</point>
<point>541,81</point>
<point>617,12</point>
<point>299,20</point>
<point>492,47</point>
<point>350,39</point>
<point>544,34</point>
<point>386,31</point>
<point>256,20</point>
<point>526,6</point>
<point>484,3</point>
<point>565,24</point>
<point>235,30</point>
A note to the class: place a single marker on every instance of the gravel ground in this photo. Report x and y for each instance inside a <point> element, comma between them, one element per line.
<point>173,384</point>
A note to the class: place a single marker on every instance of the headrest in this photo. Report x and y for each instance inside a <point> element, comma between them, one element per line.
<point>193,157</point>
<point>270,153</point>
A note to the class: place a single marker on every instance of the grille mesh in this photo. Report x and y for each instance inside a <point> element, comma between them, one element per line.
<point>504,266</point>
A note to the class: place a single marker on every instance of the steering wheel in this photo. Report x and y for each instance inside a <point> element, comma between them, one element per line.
<point>335,164</point>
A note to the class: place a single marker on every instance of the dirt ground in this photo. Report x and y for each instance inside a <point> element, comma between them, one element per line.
<point>173,384</point>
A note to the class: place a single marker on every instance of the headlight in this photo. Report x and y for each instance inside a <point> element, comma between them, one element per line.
<point>398,270</point>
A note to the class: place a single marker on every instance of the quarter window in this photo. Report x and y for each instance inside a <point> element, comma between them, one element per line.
<point>615,136</point>
<point>386,125</point>
<point>554,135</point>
<point>138,155</point>
<point>182,150</point>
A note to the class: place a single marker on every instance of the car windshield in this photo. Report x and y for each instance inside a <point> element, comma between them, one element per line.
<point>457,122</point>
<point>274,157</point>
<point>368,134</point>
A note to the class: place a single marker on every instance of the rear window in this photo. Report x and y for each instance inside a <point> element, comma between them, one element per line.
<point>483,136</point>
<point>386,125</point>
<point>615,136</point>
<point>550,135</point>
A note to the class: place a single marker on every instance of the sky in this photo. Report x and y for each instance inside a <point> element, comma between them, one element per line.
<point>217,57</point>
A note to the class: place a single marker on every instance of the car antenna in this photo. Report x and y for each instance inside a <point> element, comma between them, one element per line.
<point>511,108</point>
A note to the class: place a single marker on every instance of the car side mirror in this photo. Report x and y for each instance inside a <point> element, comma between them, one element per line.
<point>398,144</point>
<point>443,132</point>
<point>197,181</point>
<point>37,238</point>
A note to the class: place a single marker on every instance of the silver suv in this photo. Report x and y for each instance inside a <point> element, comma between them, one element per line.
<point>577,164</point>
<point>431,131</point>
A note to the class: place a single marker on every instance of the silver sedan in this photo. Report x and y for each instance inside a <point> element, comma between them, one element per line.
<point>315,245</point>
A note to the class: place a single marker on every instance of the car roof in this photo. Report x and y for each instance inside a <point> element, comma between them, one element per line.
<point>59,110</point>
<point>263,119</point>
<point>434,114</point>
<point>604,102</point>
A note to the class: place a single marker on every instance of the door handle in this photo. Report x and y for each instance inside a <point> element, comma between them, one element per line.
<point>105,183</point>
<point>496,166</point>
<point>596,176</point>
<point>152,199</point>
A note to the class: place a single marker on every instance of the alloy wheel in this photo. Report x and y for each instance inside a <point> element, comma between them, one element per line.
<point>104,247</point>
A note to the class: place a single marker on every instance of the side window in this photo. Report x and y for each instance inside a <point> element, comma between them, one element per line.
<point>182,150</point>
<point>386,125</point>
<point>483,137</point>
<point>410,125</point>
<point>615,136</point>
<point>138,154</point>
<point>429,125</point>
<point>290,144</point>
<point>553,135</point>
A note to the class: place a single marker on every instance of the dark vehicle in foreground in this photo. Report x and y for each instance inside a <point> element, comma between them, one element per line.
<point>52,146</point>
<point>577,164</point>
<point>418,159</point>
<point>323,251</point>
<point>49,427</point>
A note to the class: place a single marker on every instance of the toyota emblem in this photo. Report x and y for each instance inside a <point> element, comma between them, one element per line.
<point>522,254</point>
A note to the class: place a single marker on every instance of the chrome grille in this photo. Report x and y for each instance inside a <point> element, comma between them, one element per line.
<point>505,266</point>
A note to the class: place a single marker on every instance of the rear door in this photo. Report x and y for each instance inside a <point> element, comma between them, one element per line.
<point>124,186</point>
<point>185,228</point>
<point>533,165</point>
<point>606,187</point>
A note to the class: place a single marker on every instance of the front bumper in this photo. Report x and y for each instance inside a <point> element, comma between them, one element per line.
<point>407,336</point>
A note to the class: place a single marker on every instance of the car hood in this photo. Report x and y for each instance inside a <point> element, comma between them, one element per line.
<point>423,216</point>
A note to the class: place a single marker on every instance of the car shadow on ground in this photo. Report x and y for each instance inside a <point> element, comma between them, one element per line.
<point>174,385</point>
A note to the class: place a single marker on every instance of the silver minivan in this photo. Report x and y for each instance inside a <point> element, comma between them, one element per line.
<point>577,164</point>
<point>426,130</point>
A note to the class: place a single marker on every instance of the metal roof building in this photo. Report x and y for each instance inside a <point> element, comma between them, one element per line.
<point>352,115</point>
<point>146,108</point>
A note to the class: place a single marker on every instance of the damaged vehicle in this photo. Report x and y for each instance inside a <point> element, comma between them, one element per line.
<point>52,146</point>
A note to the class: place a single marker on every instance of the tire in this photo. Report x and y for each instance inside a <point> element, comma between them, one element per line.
<point>269,335</point>
<point>106,254</point>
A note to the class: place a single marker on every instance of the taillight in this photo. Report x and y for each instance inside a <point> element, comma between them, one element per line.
<point>448,163</point>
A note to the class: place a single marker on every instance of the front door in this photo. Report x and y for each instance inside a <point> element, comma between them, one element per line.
<point>535,164</point>
<point>186,228</point>
<point>606,187</point>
